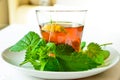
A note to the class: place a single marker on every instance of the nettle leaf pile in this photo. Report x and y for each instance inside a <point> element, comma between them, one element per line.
<point>48,56</point>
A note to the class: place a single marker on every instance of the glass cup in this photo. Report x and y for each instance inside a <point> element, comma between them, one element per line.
<point>62,26</point>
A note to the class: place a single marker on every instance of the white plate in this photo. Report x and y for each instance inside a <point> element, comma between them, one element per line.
<point>14,59</point>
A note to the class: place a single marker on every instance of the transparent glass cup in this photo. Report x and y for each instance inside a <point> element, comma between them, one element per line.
<point>62,26</point>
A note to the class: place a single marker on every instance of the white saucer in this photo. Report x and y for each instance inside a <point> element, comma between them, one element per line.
<point>13,59</point>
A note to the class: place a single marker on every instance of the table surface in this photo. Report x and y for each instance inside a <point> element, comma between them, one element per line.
<point>13,33</point>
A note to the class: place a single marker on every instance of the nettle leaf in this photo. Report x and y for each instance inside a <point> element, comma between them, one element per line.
<point>105,53</point>
<point>99,59</point>
<point>93,48</point>
<point>34,53</point>
<point>82,45</point>
<point>28,41</point>
<point>51,64</point>
<point>48,56</point>
<point>95,52</point>
<point>76,62</point>
<point>62,49</point>
<point>101,56</point>
<point>50,46</point>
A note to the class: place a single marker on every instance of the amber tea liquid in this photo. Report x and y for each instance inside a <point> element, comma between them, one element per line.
<point>71,35</point>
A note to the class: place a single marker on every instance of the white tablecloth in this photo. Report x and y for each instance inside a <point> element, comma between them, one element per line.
<point>8,37</point>
<point>13,33</point>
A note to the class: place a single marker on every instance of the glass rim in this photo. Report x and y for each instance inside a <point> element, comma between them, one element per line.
<point>64,10</point>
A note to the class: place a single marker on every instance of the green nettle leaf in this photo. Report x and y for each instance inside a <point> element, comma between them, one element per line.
<point>95,52</point>
<point>48,56</point>
<point>82,45</point>
<point>105,53</point>
<point>93,48</point>
<point>30,56</point>
<point>62,49</point>
<point>41,43</point>
<point>28,41</point>
<point>50,46</point>
<point>99,59</point>
<point>76,62</point>
<point>35,63</point>
<point>101,56</point>
<point>52,64</point>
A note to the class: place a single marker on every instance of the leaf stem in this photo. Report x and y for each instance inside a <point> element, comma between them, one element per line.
<point>106,44</point>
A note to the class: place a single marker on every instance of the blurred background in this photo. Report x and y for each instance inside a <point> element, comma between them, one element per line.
<point>18,11</point>
<point>22,11</point>
<point>4,16</point>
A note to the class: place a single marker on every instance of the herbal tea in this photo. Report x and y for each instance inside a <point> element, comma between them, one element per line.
<point>63,33</point>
